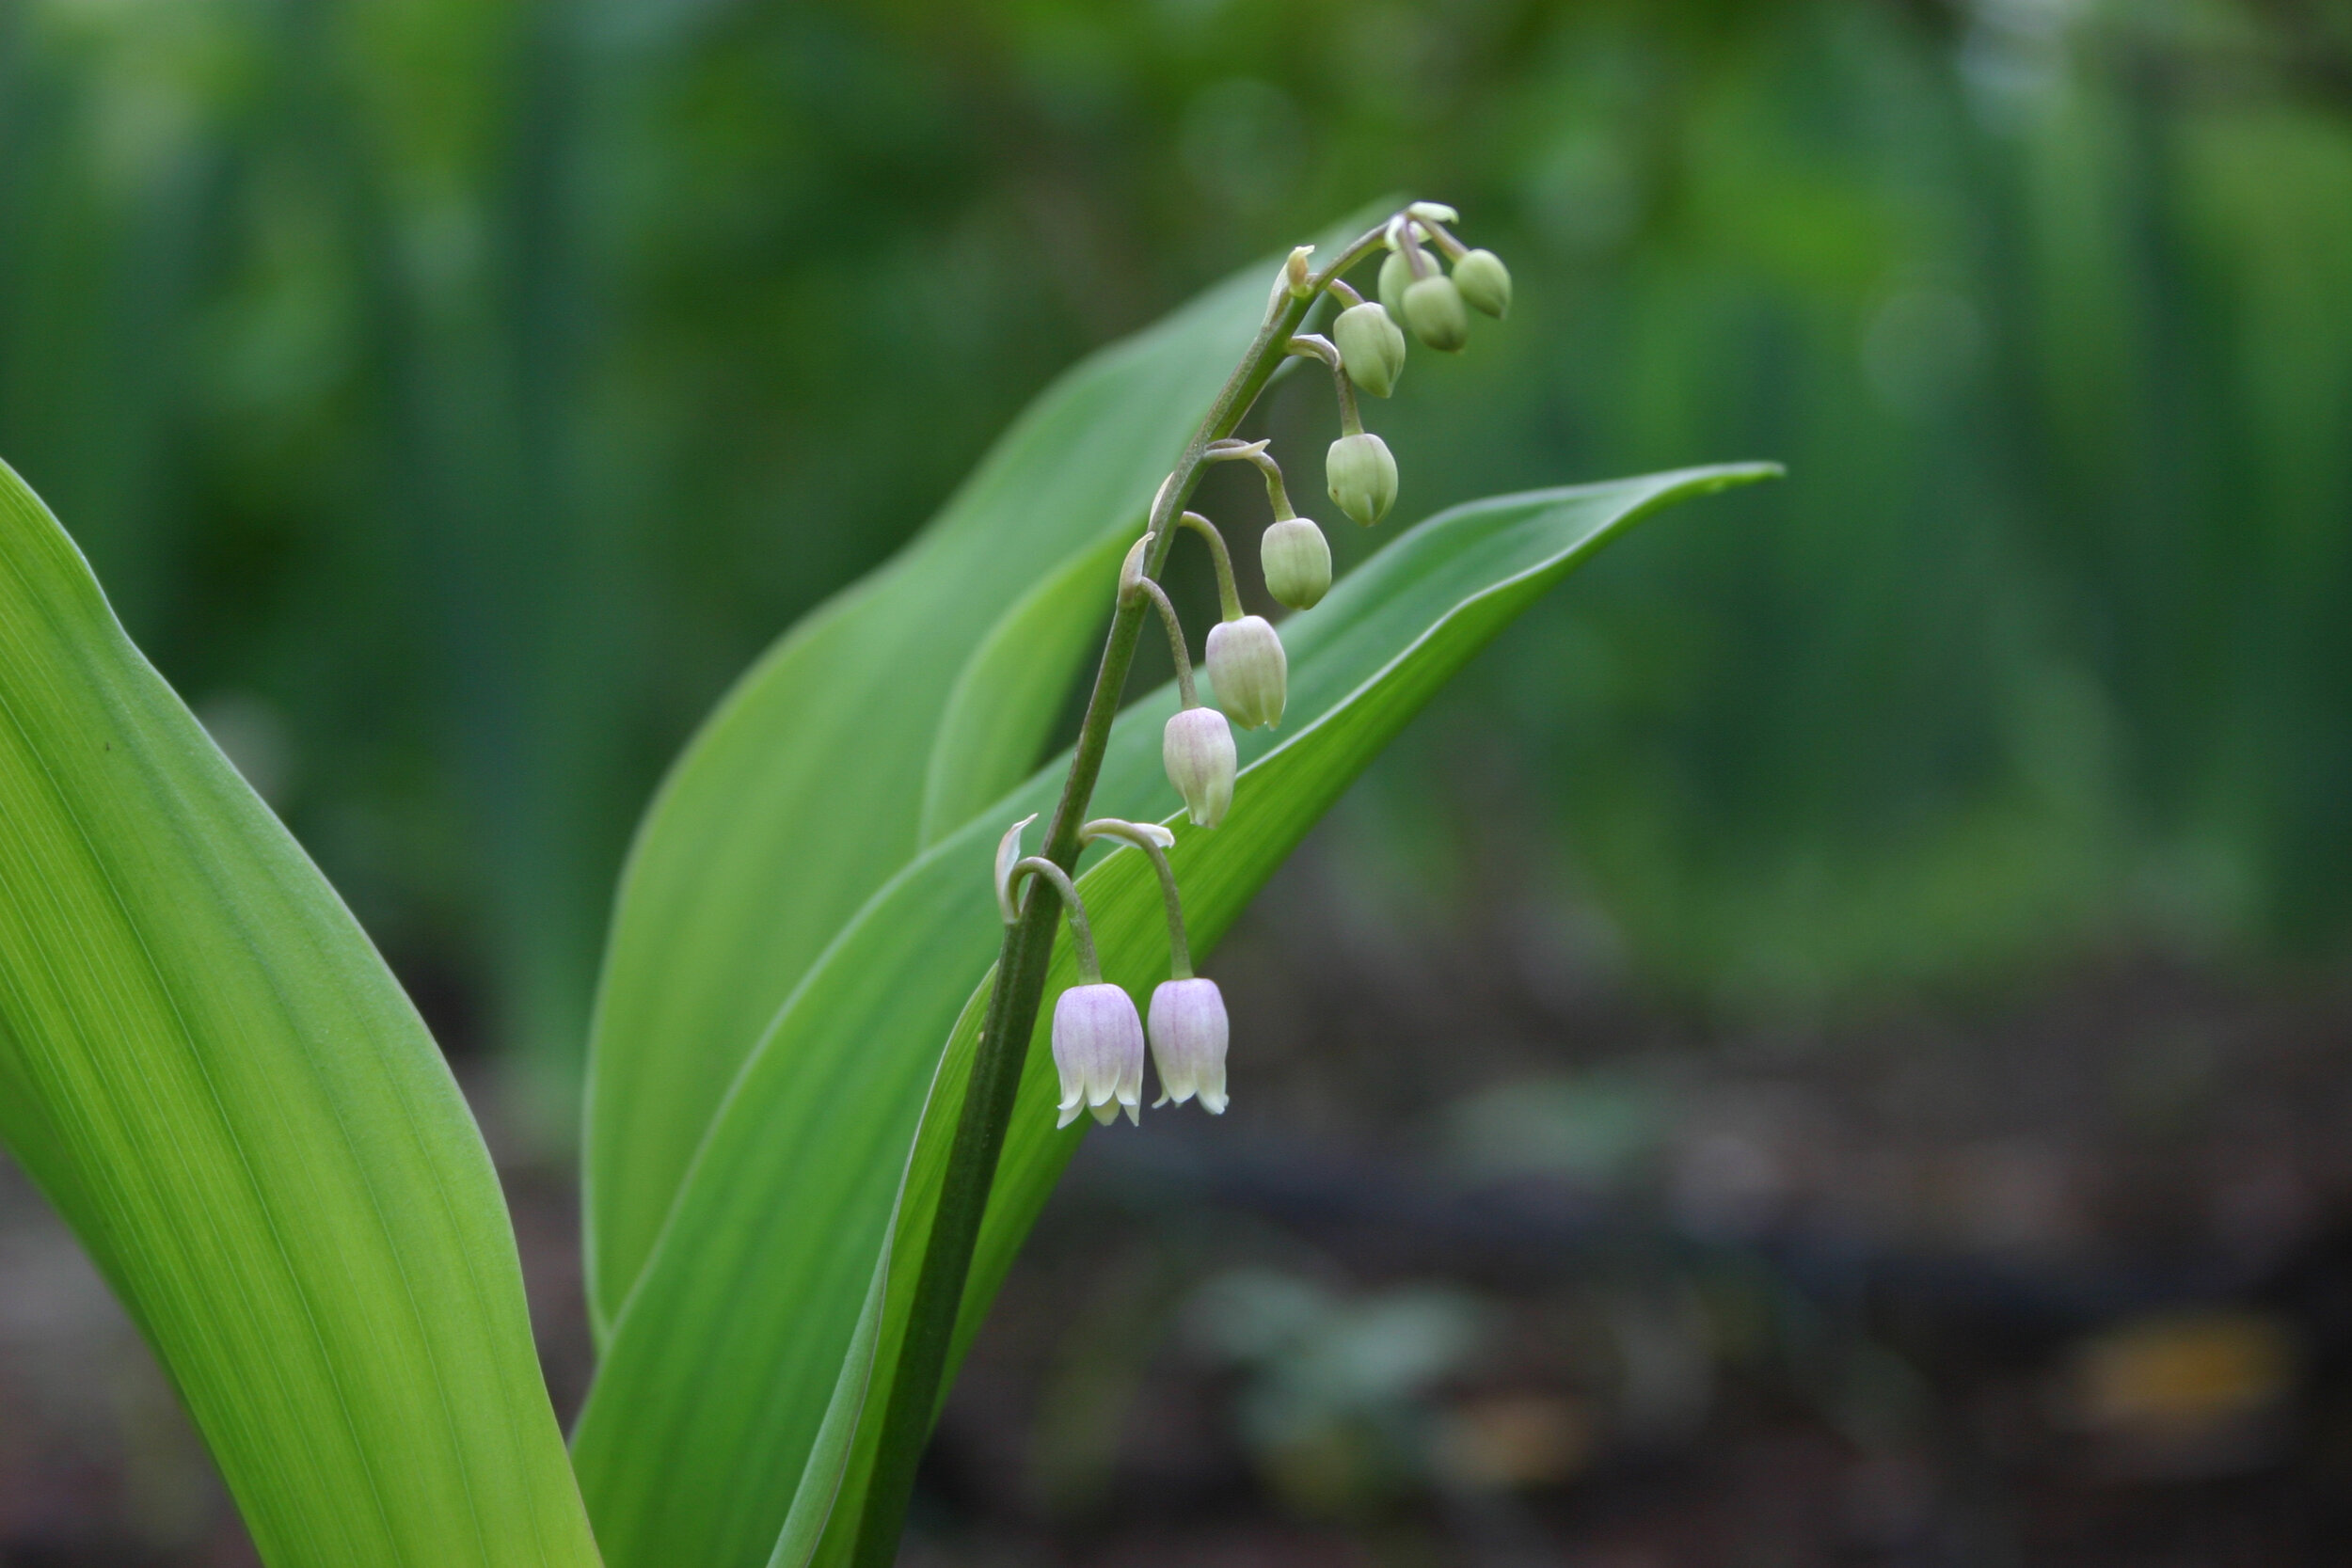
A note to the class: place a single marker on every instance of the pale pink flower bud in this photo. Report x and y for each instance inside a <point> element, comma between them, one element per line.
<point>1248,670</point>
<point>1188,1034</point>
<point>1098,1049</point>
<point>1197,748</point>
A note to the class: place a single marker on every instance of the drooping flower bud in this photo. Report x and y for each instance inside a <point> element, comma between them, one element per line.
<point>1361,475</point>
<point>1432,308</point>
<point>1297,563</point>
<point>1248,670</point>
<point>1371,345</point>
<point>1197,748</point>
<point>1189,1031</point>
<point>1396,275</point>
<point>1098,1049</point>
<point>1485,282</point>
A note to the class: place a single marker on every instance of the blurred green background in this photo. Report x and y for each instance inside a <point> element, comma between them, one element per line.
<point>1838,974</point>
<point>454,395</point>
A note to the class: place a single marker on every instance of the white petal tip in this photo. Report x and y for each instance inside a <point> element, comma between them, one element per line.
<point>1135,1114</point>
<point>1068,1115</point>
<point>1215,1107</point>
<point>1104,1113</point>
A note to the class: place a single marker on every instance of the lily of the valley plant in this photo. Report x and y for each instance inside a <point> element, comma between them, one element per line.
<point>821,1113</point>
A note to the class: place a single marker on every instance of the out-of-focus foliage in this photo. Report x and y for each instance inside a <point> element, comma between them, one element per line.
<point>454,395</point>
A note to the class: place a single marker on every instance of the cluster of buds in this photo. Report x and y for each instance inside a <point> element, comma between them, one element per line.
<point>1099,1041</point>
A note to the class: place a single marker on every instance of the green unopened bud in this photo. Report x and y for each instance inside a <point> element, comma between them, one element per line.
<point>1297,563</point>
<point>1248,670</point>
<point>1362,476</point>
<point>1432,308</point>
<point>1371,345</point>
<point>1485,282</point>
<point>1396,275</point>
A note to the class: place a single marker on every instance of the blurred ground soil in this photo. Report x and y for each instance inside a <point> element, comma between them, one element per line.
<point>1494,1262</point>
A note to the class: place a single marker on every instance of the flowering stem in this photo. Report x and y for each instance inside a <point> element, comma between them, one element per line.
<point>1416,258</point>
<point>1081,934</point>
<point>1454,249</point>
<point>1311,345</point>
<point>1228,596</point>
<point>1146,588</point>
<point>1179,950</point>
<point>1254,451</point>
<point>1019,985</point>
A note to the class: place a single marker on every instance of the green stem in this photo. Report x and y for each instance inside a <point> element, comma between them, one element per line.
<point>1228,596</point>
<point>1019,985</point>
<point>1455,250</point>
<point>1254,451</point>
<point>1081,933</point>
<point>1311,345</point>
<point>1158,597</point>
<point>1178,949</point>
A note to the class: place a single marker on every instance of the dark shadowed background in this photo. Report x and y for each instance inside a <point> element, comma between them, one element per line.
<point>1832,1043</point>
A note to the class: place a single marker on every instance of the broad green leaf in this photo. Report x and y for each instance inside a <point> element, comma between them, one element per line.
<point>807,789</point>
<point>206,1066</point>
<point>1013,687</point>
<point>720,1371</point>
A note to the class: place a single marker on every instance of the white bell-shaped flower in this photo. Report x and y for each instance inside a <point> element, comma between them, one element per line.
<point>1197,748</point>
<point>1098,1049</point>
<point>1247,667</point>
<point>1189,1033</point>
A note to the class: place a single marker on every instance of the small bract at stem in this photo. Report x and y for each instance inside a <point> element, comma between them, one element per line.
<point>1008,856</point>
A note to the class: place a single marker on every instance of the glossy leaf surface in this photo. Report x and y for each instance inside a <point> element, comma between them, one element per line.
<point>722,1369</point>
<point>805,790</point>
<point>210,1072</point>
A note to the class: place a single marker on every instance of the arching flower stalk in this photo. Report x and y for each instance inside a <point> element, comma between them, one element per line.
<point>1189,1029</point>
<point>1098,1040</point>
<point>1197,747</point>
